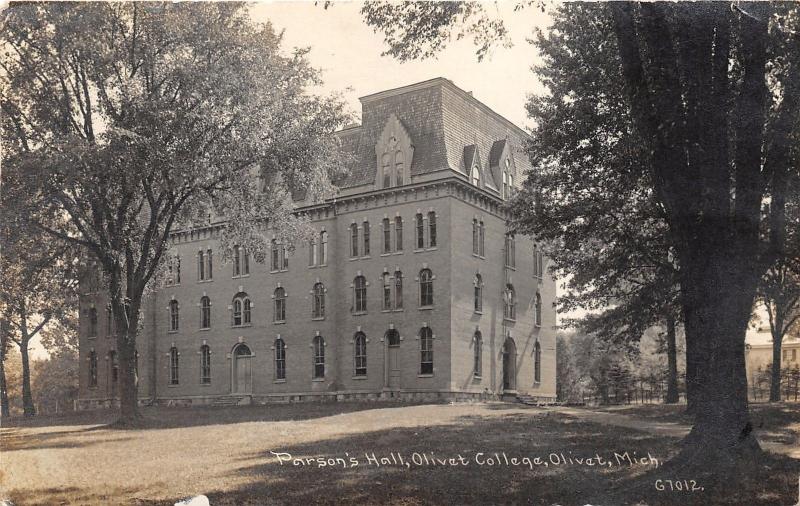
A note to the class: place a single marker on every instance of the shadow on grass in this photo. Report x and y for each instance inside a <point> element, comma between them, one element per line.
<point>73,495</point>
<point>423,481</point>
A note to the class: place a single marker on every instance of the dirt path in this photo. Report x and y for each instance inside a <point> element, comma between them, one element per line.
<point>670,429</point>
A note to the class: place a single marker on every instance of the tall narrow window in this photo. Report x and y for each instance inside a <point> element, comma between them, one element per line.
<point>275,255</point>
<point>323,250</point>
<point>477,365</point>
<point>319,357</point>
<point>237,312</point>
<point>360,358</point>
<point>366,238</point>
<point>360,294</point>
<point>398,233</point>
<point>386,164</point>
<point>353,240</point>
<point>426,350</point>
<point>478,281</point>
<point>510,250</point>
<point>112,355</point>
<point>280,359</point>
<point>209,265</point>
<point>92,369</point>
<point>387,236</point>
<point>398,289</point>
<point>280,305</point>
<point>174,319</point>
<point>205,313</point>
<point>537,362</point>
<point>387,291</point>
<point>241,309</point>
<point>201,265</point>
<point>538,262</point>
<point>237,262</point>
<point>420,222</point>
<point>247,311</point>
<point>431,229</point>
<point>92,322</point>
<point>318,306</point>
<point>173,366</point>
<point>537,310</point>
<point>510,302</point>
<point>284,257</point>
<point>475,248</point>
<point>205,364</point>
<point>312,252</point>
<point>177,270</point>
<point>399,161</point>
<point>425,287</point>
<point>482,239</point>
<point>245,261</point>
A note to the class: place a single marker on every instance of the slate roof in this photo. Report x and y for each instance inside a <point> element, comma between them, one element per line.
<point>447,126</point>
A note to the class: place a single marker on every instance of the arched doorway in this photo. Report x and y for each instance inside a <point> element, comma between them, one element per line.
<point>242,372</point>
<point>392,338</point>
<point>509,364</point>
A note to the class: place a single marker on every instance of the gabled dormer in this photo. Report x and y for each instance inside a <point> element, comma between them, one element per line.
<point>503,168</point>
<point>394,153</point>
<point>473,167</point>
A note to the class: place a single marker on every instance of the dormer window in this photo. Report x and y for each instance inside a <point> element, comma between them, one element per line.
<point>394,153</point>
<point>476,176</point>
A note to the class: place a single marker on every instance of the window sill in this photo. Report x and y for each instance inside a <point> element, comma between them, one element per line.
<point>353,258</point>
<point>205,384</point>
<point>172,332</point>
<point>426,375</point>
<point>419,250</point>
<point>279,322</point>
<point>173,385</point>
<point>317,380</point>
<point>91,337</point>
<point>359,313</point>
<point>511,267</point>
<point>237,276</point>
<point>477,377</point>
<point>476,255</point>
<point>92,388</point>
<point>478,312</point>
<point>204,328</point>
<point>360,377</point>
<point>432,248</point>
<point>512,320</point>
<point>387,254</point>
<point>205,280</point>
<point>366,257</point>
<point>425,308</point>
<point>242,326</point>
<point>317,318</point>
<point>279,381</point>
<point>537,325</point>
<point>277,271</point>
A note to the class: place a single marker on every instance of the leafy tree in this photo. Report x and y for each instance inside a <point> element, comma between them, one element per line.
<point>132,119</point>
<point>707,131</point>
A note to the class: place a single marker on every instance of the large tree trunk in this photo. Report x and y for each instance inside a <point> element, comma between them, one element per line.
<point>28,407</point>
<point>127,324</point>
<point>777,341</point>
<point>672,363</point>
<point>4,406</point>
<point>717,298</point>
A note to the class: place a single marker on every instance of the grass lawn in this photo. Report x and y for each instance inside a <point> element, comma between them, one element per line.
<point>226,454</point>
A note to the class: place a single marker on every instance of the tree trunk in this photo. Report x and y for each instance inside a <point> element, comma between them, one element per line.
<point>672,363</point>
<point>127,325</point>
<point>777,341</point>
<point>28,408</point>
<point>4,407</point>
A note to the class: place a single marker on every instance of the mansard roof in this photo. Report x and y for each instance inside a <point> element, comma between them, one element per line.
<point>442,121</point>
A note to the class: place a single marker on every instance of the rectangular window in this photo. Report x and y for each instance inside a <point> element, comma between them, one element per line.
<point>201,266</point>
<point>312,253</point>
<point>420,232</point>
<point>398,233</point>
<point>275,264</point>
<point>177,270</point>
<point>209,265</point>
<point>237,265</point>
<point>511,253</point>
<point>353,240</point>
<point>245,262</point>
<point>482,234</point>
<point>323,250</point>
<point>387,236</point>
<point>280,360</point>
<point>431,229</point>
<point>366,238</point>
<point>475,249</point>
<point>205,365</point>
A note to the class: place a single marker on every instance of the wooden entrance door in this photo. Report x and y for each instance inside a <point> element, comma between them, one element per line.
<point>509,365</point>
<point>242,375</point>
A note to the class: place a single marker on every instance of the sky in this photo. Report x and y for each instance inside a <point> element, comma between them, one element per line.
<point>349,54</point>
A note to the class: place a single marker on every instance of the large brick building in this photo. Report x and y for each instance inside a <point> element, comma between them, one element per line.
<point>414,288</point>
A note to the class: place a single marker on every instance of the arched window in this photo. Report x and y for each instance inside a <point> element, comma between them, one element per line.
<point>392,338</point>
<point>398,289</point>
<point>387,236</point>
<point>323,249</point>
<point>431,229</point>
<point>537,362</point>
<point>280,359</point>
<point>241,261</point>
<point>537,310</point>
<point>112,356</point>
<point>360,354</point>
<point>280,305</point>
<point>398,233</point>
<point>319,357</point>
<point>353,240</point>
<point>420,222</point>
<point>386,164</point>
<point>318,305</point>
<point>426,350</point>
<point>509,303</point>
<point>205,364</point>
<point>205,313</point>
<point>360,294</point>
<point>241,309</point>
<point>387,291</point>
<point>475,248</point>
<point>92,369</point>
<point>92,322</point>
<point>174,316</point>
<point>425,287</point>
<point>477,343</point>
<point>478,282</point>
<point>173,366</point>
<point>399,161</point>
<point>366,238</point>
<point>476,176</point>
